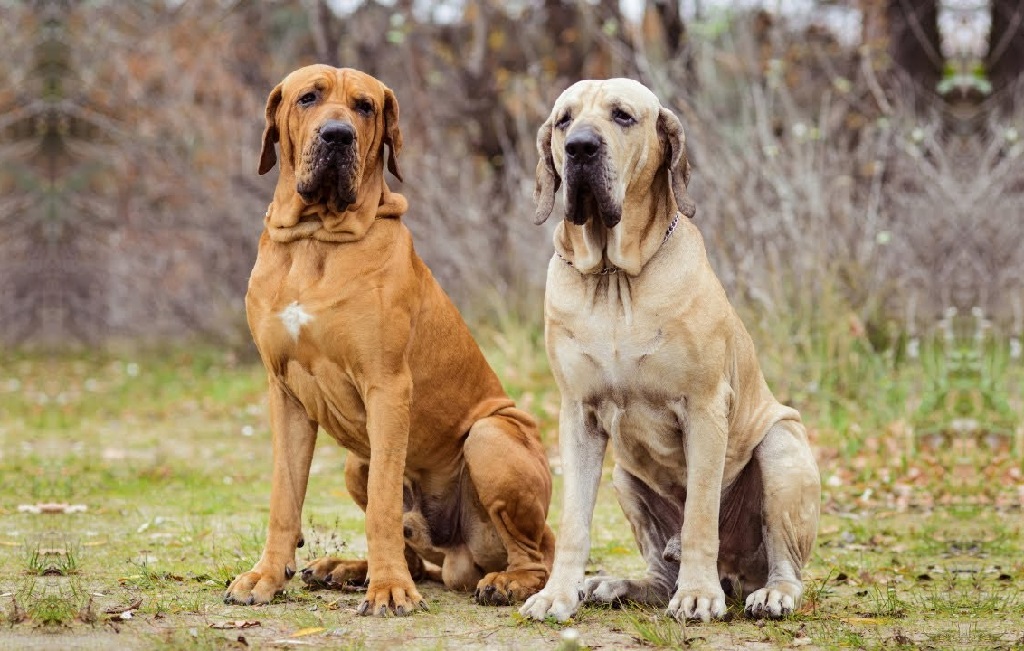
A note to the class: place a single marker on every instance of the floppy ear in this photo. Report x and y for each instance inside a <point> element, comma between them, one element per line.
<point>392,134</point>
<point>548,180</point>
<point>268,157</point>
<point>671,130</point>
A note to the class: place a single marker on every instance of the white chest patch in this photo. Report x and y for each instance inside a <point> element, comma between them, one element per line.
<point>294,317</point>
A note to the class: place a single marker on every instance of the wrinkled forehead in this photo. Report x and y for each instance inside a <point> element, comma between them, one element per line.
<point>625,92</point>
<point>330,79</point>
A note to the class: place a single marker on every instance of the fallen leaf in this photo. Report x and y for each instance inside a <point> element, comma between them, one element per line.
<point>238,623</point>
<point>121,610</point>
<point>52,508</point>
<point>312,630</point>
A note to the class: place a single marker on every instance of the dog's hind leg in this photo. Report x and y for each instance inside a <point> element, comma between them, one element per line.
<point>510,474</point>
<point>791,499</point>
<point>654,520</point>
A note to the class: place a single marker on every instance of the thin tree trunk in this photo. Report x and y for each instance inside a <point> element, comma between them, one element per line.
<point>1005,59</point>
<point>914,41</point>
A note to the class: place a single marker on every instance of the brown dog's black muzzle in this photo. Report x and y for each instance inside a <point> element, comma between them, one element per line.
<point>329,166</point>
<point>335,133</point>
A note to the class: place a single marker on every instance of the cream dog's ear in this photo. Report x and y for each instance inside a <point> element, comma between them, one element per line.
<point>548,180</point>
<point>392,134</point>
<point>671,130</point>
<point>268,157</point>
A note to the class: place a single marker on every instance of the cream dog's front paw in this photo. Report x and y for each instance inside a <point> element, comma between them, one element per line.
<point>703,602</point>
<point>775,600</point>
<point>560,602</point>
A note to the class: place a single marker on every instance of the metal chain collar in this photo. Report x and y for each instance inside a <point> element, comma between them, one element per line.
<point>613,269</point>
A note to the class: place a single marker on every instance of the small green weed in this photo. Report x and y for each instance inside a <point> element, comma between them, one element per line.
<point>660,631</point>
<point>45,561</point>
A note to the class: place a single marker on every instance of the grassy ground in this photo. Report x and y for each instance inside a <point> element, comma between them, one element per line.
<point>920,543</point>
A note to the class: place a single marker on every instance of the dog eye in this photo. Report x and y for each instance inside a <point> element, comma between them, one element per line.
<point>308,99</point>
<point>564,121</point>
<point>364,106</point>
<point>623,118</point>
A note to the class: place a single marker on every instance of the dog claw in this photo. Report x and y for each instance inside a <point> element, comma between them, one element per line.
<point>400,611</point>
<point>288,573</point>
<point>382,611</point>
<point>423,604</point>
<point>363,608</point>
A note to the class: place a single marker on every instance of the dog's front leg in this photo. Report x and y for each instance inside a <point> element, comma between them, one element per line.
<point>582,450</point>
<point>294,437</point>
<point>699,593</point>
<point>387,423</point>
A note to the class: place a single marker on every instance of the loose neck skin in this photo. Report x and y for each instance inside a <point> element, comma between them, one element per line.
<point>289,218</point>
<point>647,211</point>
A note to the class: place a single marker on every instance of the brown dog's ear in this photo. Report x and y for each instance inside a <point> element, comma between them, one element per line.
<point>671,130</point>
<point>392,134</point>
<point>268,157</point>
<point>548,180</point>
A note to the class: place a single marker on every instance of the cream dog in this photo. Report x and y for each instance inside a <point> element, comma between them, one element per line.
<point>715,476</point>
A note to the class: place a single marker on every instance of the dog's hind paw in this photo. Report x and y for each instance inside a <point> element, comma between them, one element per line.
<point>334,573</point>
<point>617,592</point>
<point>509,587</point>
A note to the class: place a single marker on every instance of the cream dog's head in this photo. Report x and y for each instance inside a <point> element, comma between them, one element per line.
<point>606,140</point>
<point>332,125</point>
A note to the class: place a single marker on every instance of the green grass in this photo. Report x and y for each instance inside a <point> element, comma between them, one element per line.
<point>920,542</point>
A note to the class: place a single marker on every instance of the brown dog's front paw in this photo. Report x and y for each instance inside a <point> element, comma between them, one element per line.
<point>391,597</point>
<point>507,588</point>
<point>334,573</point>
<point>256,587</point>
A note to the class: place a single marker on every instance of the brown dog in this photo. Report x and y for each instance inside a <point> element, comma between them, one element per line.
<point>358,338</point>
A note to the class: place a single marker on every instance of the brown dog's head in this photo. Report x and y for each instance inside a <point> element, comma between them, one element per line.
<point>332,125</point>
<point>605,139</point>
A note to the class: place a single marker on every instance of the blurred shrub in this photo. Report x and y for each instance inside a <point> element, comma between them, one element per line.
<point>840,208</point>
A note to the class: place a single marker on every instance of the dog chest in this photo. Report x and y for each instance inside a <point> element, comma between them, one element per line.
<point>647,440</point>
<point>602,357</point>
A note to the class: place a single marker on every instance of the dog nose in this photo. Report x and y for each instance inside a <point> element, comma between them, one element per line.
<point>583,145</point>
<point>337,133</point>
